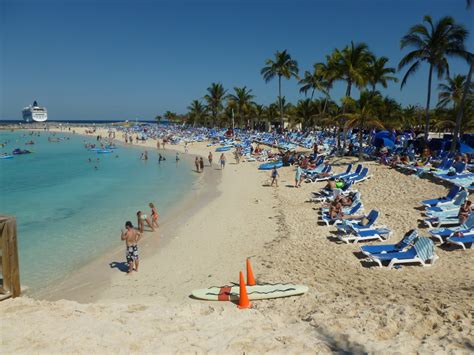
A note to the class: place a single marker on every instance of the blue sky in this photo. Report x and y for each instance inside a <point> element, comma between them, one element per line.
<point>107,59</point>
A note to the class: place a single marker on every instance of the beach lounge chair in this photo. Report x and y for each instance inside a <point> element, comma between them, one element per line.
<point>442,200</point>
<point>448,207</point>
<point>348,225</point>
<point>466,241</point>
<point>442,233</point>
<point>328,220</point>
<point>353,175</point>
<point>407,240</point>
<point>363,175</point>
<point>362,235</point>
<point>346,173</point>
<point>421,252</point>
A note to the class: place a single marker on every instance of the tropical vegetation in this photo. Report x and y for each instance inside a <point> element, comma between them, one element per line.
<point>430,43</point>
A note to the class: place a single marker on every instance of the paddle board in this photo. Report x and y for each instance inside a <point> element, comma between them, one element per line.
<point>257,292</point>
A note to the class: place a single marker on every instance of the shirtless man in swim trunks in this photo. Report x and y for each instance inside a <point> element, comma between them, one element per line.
<point>131,237</point>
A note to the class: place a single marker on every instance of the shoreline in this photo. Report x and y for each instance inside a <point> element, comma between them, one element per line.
<point>86,283</point>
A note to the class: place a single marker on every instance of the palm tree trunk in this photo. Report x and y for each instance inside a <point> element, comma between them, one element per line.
<point>460,113</point>
<point>280,102</point>
<point>360,140</point>
<point>344,130</point>
<point>312,94</point>
<point>428,99</point>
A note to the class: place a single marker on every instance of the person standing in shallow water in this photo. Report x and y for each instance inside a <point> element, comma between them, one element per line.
<point>222,161</point>
<point>131,237</point>
<point>196,163</point>
<point>209,157</point>
<point>201,164</point>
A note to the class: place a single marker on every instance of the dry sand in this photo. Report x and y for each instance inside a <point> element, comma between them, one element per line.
<point>351,306</point>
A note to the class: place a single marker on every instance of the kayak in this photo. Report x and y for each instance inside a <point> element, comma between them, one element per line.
<point>270,166</point>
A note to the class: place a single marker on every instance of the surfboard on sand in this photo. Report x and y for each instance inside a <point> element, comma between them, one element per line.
<point>257,292</point>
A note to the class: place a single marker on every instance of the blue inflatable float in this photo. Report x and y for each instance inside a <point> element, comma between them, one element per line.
<point>270,166</point>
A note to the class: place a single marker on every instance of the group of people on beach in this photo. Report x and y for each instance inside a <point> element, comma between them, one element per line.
<point>132,235</point>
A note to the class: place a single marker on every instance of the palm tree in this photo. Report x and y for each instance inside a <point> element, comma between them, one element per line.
<point>214,98</point>
<point>283,66</point>
<point>197,112</point>
<point>363,113</point>
<point>351,64</point>
<point>313,81</point>
<point>379,73</point>
<point>242,102</point>
<point>451,92</point>
<point>465,94</point>
<point>158,119</point>
<point>304,112</point>
<point>432,43</point>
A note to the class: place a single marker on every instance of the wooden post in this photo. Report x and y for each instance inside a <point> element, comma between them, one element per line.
<point>9,256</point>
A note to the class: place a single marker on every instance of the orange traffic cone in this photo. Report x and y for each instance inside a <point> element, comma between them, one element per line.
<point>243,297</point>
<point>250,278</point>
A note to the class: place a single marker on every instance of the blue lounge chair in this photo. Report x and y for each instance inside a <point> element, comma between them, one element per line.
<point>442,200</point>
<point>363,175</point>
<point>328,220</point>
<point>421,252</point>
<point>442,233</point>
<point>347,225</point>
<point>354,174</point>
<point>407,240</point>
<point>363,235</point>
<point>464,241</point>
<point>446,208</point>
<point>346,173</point>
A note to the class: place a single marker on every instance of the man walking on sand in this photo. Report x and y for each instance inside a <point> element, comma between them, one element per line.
<point>131,237</point>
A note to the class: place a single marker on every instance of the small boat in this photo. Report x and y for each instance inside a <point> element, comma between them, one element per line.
<point>6,156</point>
<point>270,166</point>
<point>19,151</point>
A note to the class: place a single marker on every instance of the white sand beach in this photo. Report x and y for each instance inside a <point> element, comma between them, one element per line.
<point>351,306</point>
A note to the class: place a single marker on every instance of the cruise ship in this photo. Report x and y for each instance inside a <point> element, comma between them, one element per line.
<point>35,113</point>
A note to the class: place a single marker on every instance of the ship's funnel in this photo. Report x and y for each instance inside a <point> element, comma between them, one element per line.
<point>35,104</point>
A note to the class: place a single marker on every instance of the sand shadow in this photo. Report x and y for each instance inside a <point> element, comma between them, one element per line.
<point>359,255</point>
<point>292,186</point>
<point>120,265</point>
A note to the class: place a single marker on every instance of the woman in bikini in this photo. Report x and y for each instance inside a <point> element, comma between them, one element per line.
<point>154,215</point>
<point>141,220</point>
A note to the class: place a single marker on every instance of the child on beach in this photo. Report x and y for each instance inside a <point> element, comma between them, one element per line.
<point>131,237</point>
<point>154,215</point>
<point>274,176</point>
<point>298,176</point>
<point>141,220</point>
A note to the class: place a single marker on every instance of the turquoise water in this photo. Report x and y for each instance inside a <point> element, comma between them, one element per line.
<point>67,212</point>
